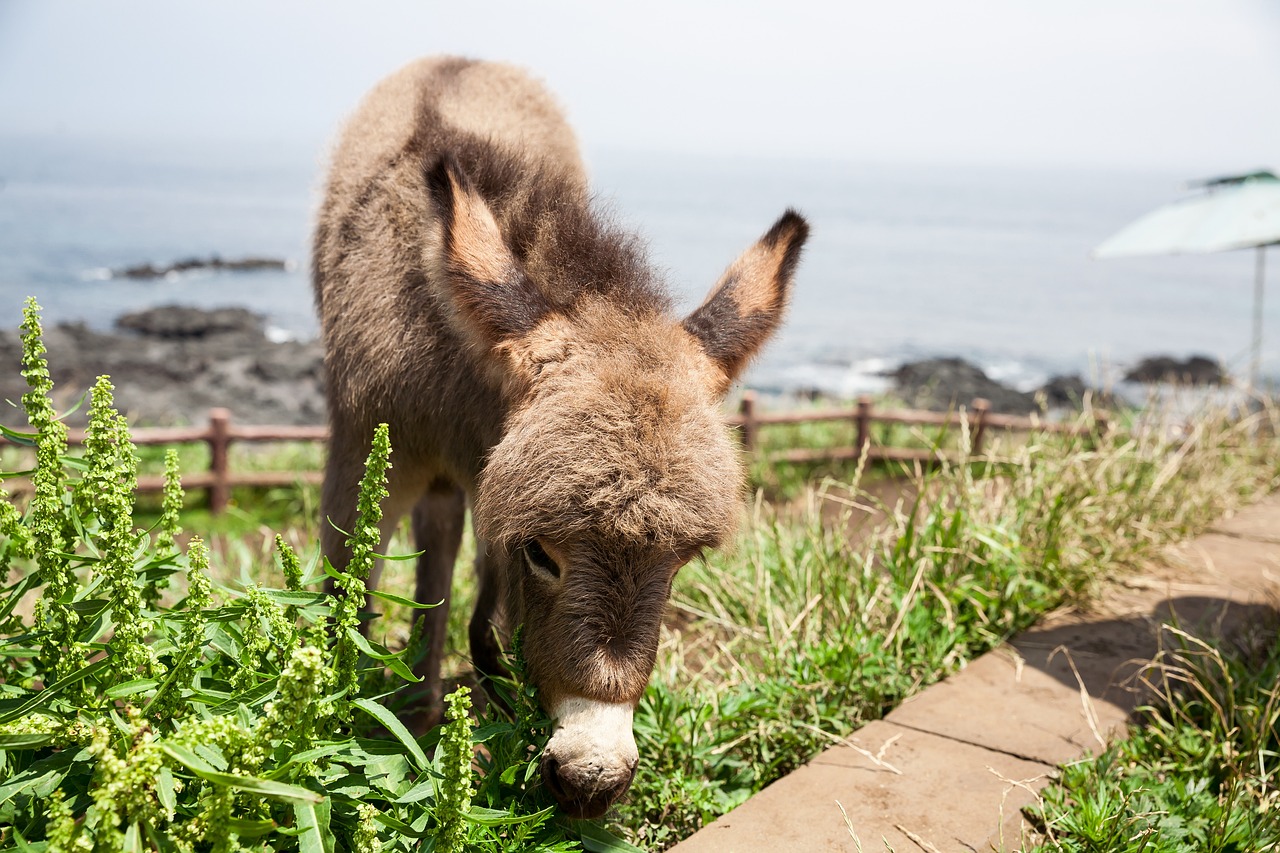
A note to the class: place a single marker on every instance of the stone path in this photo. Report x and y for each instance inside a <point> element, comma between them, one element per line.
<point>951,769</point>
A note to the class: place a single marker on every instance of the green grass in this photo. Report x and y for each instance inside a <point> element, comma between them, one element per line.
<point>798,634</point>
<point>781,481</point>
<point>1200,771</point>
<point>794,636</point>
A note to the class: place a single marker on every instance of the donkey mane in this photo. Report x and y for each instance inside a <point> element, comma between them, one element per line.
<point>630,459</point>
<point>568,241</point>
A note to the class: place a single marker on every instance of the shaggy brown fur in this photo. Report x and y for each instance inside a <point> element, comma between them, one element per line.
<point>523,353</point>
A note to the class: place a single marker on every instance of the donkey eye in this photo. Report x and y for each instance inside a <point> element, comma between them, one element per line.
<point>538,559</point>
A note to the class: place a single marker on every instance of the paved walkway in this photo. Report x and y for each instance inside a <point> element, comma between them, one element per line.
<point>951,769</point>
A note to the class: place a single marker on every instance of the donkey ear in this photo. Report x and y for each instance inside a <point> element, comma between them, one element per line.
<point>747,304</point>
<point>492,300</point>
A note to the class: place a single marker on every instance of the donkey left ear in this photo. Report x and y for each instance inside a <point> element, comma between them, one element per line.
<point>492,302</point>
<point>746,305</point>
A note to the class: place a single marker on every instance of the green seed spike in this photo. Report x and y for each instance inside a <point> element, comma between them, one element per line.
<point>289,564</point>
<point>199,587</point>
<point>108,486</point>
<point>48,481</point>
<point>171,508</point>
<point>53,617</point>
<point>365,838</point>
<point>266,629</point>
<point>363,544</point>
<point>292,715</point>
<point>61,829</point>
<point>35,369</point>
<point>373,489</point>
<point>292,569</point>
<point>15,539</point>
<point>168,702</point>
<point>454,796</point>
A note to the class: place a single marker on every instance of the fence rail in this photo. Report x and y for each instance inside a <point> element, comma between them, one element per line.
<point>978,418</point>
<point>220,434</point>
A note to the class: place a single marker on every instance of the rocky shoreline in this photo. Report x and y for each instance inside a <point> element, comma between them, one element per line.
<point>171,364</point>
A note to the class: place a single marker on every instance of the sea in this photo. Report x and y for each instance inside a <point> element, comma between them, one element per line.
<point>990,264</point>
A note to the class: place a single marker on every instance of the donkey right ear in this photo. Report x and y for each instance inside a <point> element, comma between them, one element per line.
<point>746,305</point>
<point>491,300</point>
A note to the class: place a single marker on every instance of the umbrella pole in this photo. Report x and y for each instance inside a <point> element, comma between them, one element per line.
<point>1256,360</point>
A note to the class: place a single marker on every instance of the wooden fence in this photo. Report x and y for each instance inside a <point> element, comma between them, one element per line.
<point>220,434</point>
<point>978,418</point>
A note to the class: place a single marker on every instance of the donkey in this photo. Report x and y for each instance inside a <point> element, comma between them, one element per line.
<point>525,357</point>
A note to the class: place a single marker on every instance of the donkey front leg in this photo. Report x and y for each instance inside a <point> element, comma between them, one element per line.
<point>486,621</point>
<point>437,533</point>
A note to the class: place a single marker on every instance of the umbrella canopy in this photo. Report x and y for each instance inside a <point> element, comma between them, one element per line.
<point>1234,212</point>
<point>1238,212</point>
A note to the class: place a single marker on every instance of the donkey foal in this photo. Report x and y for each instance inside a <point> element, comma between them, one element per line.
<point>523,352</point>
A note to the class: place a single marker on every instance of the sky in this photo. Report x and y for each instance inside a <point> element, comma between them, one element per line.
<point>1184,86</point>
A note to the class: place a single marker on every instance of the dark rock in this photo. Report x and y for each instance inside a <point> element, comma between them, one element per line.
<point>1196,370</point>
<point>180,322</point>
<point>175,364</point>
<point>1069,392</point>
<point>1064,392</point>
<point>809,395</point>
<point>941,384</point>
<point>251,264</point>
<point>292,361</point>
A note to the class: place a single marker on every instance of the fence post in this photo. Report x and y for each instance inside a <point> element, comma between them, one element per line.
<point>1100,423</point>
<point>747,410</point>
<point>980,409</point>
<point>862,420</point>
<point>219,441</point>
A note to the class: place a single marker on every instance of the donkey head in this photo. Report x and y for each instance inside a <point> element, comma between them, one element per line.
<point>614,470</point>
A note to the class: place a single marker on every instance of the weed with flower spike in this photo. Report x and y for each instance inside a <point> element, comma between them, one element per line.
<point>220,722</point>
<point>363,544</point>
<point>54,616</point>
<point>455,784</point>
<point>173,500</point>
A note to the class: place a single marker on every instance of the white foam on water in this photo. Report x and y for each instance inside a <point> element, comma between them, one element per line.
<point>277,335</point>
<point>832,378</point>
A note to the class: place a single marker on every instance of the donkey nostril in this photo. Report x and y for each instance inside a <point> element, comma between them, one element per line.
<point>551,775</point>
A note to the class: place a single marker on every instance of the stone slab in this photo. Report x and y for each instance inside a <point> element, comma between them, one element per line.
<point>1025,703</point>
<point>1259,521</point>
<point>940,791</point>
<point>1244,570</point>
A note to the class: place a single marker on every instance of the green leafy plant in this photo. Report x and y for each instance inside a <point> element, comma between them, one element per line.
<point>233,718</point>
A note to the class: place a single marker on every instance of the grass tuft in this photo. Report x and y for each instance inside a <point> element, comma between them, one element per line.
<point>1200,771</point>
<point>801,634</point>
